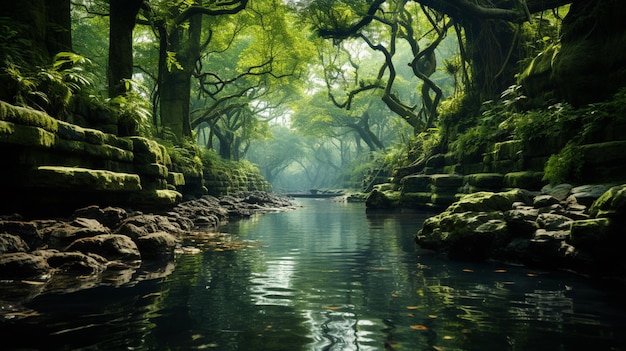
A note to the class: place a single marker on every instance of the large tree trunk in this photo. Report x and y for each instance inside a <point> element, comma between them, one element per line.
<point>31,15</point>
<point>122,19</point>
<point>175,89</point>
<point>493,55</point>
<point>59,26</point>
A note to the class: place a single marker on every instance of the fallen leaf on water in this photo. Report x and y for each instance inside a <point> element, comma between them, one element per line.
<point>412,307</point>
<point>531,275</point>
<point>419,327</point>
<point>379,269</point>
<point>500,271</point>
<point>332,308</point>
<point>432,316</point>
<point>448,337</point>
<point>438,348</point>
<point>467,270</point>
<point>394,295</point>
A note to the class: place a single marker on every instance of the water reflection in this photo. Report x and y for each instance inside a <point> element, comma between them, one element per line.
<point>328,277</point>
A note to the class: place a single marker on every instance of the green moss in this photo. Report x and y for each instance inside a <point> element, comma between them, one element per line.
<point>83,179</point>
<point>27,116</point>
<point>12,133</point>
<point>565,166</point>
<point>525,180</point>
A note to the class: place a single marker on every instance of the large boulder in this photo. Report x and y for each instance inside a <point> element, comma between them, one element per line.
<point>611,204</point>
<point>12,243</point>
<point>20,265</point>
<point>465,235</point>
<point>485,201</point>
<point>111,247</point>
<point>156,245</point>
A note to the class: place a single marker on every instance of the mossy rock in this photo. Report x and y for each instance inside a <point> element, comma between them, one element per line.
<point>416,183</point>
<point>611,204</point>
<point>27,117</point>
<point>487,201</point>
<point>147,151</point>
<point>94,136</point>
<point>382,200</point>
<point>176,179</point>
<point>450,181</point>
<point>153,170</point>
<point>75,178</point>
<point>160,198</point>
<point>466,235</point>
<point>508,150</point>
<point>525,180</point>
<point>69,131</point>
<point>486,180</point>
<point>415,199</point>
<point>443,199</point>
<point>11,133</point>
<point>591,234</point>
<point>109,152</point>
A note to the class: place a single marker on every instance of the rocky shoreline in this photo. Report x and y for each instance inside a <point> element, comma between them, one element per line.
<point>579,229</point>
<point>111,245</point>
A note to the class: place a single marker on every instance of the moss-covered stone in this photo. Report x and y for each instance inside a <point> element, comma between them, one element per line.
<point>492,181</point>
<point>109,152</point>
<point>525,180</point>
<point>453,181</point>
<point>11,133</point>
<point>487,201</point>
<point>508,150</point>
<point>611,204</point>
<point>382,200</point>
<point>160,198</point>
<point>94,136</point>
<point>176,179</point>
<point>147,151</point>
<point>27,117</point>
<point>416,183</point>
<point>153,170</point>
<point>75,178</point>
<point>591,233</point>
<point>467,235</point>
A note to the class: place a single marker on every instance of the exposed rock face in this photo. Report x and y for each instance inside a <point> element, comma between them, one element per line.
<point>96,242</point>
<point>536,230</point>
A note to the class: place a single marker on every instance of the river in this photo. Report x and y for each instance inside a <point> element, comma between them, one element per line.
<point>330,276</point>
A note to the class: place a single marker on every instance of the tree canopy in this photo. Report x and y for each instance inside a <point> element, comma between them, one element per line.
<point>229,74</point>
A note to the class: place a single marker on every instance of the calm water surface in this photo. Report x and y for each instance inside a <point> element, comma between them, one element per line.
<point>329,276</point>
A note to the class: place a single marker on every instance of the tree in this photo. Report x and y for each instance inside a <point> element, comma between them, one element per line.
<point>122,20</point>
<point>247,75</point>
<point>179,28</point>
<point>487,40</point>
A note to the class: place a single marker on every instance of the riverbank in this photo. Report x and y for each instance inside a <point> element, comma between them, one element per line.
<point>576,229</point>
<point>112,245</point>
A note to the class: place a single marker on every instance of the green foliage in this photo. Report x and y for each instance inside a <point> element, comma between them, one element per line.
<point>13,48</point>
<point>134,110</point>
<point>49,88</point>
<point>185,158</point>
<point>564,166</point>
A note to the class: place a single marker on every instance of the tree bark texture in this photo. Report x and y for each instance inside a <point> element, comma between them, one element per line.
<point>122,19</point>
